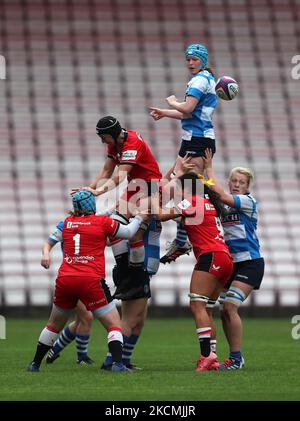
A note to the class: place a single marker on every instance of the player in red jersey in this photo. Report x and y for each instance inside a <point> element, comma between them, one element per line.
<point>199,212</point>
<point>81,276</point>
<point>126,150</point>
<point>131,157</point>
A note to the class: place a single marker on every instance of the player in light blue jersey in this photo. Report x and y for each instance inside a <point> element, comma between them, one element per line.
<point>79,329</point>
<point>240,226</point>
<point>195,113</point>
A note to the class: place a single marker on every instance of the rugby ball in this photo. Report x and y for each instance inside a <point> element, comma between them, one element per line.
<point>227,88</point>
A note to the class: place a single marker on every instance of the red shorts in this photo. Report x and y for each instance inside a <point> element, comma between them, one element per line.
<point>218,263</point>
<point>94,293</point>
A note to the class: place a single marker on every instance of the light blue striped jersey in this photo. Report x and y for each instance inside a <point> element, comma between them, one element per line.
<point>56,236</point>
<point>240,229</point>
<point>151,240</point>
<point>202,87</point>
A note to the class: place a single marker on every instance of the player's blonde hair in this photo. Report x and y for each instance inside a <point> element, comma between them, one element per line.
<point>242,170</point>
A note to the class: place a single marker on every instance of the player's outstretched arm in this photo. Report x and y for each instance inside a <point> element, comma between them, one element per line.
<point>186,107</point>
<point>128,231</point>
<point>104,174</point>
<point>112,182</point>
<point>208,166</point>
<point>158,113</point>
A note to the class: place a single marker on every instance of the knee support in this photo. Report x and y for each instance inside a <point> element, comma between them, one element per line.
<point>221,300</point>
<point>235,296</point>
<point>210,303</point>
<point>198,297</point>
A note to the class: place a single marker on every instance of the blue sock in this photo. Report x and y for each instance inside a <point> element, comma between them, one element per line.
<point>64,339</point>
<point>108,359</point>
<point>181,235</point>
<point>236,355</point>
<point>82,342</point>
<point>128,348</point>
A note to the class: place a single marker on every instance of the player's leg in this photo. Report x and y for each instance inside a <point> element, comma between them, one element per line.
<point>108,315</point>
<point>232,323</point>
<point>247,275</point>
<point>209,308</point>
<point>78,330</point>
<point>134,313</point>
<point>67,335</point>
<point>133,316</point>
<point>56,322</point>
<point>85,319</point>
<point>64,301</point>
<point>96,296</point>
<point>203,285</point>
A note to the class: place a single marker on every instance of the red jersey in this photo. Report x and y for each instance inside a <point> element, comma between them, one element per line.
<point>206,235</point>
<point>137,153</point>
<point>84,240</point>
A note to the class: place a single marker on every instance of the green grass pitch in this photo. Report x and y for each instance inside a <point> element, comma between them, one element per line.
<point>167,352</point>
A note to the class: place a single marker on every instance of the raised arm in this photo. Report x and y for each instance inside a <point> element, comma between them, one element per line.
<point>105,172</point>
<point>128,231</point>
<point>185,107</point>
<point>208,166</point>
<point>112,182</point>
<point>158,113</point>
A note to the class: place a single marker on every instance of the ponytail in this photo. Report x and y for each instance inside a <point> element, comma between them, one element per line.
<point>214,198</point>
<point>210,70</point>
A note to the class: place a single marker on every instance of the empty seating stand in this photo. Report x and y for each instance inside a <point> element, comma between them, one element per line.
<point>69,62</point>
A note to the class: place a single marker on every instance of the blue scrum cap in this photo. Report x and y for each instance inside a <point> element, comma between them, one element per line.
<point>199,51</point>
<point>84,201</point>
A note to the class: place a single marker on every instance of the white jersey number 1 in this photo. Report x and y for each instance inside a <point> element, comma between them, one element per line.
<point>76,238</point>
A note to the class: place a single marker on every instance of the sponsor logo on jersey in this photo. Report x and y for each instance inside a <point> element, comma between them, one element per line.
<point>76,224</point>
<point>232,218</point>
<point>129,155</point>
<point>215,267</point>
<point>209,207</point>
<point>78,259</point>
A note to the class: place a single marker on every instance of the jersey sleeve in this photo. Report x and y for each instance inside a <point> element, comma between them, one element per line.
<point>110,225</point>
<point>197,87</point>
<point>132,152</point>
<point>56,236</point>
<point>244,203</point>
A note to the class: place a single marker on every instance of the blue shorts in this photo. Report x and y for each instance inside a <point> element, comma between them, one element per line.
<point>196,146</point>
<point>249,272</point>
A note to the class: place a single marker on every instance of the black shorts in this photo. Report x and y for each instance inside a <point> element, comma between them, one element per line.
<point>131,287</point>
<point>196,146</point>
<point>249,272</point>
